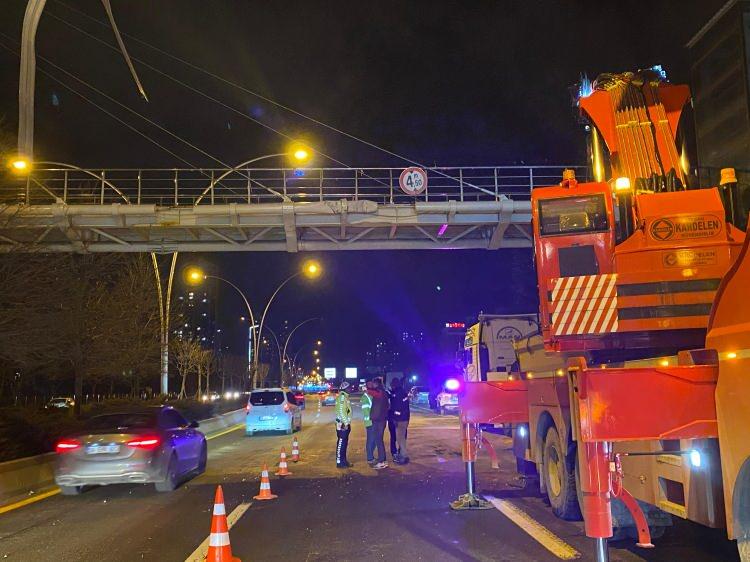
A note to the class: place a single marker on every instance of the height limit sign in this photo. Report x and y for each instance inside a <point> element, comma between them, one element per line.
<point>413,181</point>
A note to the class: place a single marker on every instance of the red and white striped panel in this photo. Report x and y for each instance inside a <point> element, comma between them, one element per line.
<point>584,305</point>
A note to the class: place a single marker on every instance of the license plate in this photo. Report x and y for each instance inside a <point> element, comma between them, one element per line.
<point>97,449</point>
<point>266,418</point>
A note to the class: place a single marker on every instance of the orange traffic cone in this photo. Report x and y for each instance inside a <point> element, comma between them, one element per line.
<point>265,486</point>
<point>219,549</point>
<point>283,467</point>
<point>295,450</point>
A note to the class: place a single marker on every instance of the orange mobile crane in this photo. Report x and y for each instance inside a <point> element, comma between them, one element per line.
<point>632,392</point>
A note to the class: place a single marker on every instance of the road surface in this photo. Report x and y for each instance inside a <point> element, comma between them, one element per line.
<point>323,513</point>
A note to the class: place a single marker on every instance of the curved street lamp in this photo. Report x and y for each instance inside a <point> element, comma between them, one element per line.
<point>195,276</point>
<point>299,154</point>
<point>310,269</point>
<point>289,337</point>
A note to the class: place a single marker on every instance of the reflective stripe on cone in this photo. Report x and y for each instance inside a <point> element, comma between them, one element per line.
<point>219,549</point>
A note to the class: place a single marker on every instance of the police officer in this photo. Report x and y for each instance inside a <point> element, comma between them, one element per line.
<point>343,425</point>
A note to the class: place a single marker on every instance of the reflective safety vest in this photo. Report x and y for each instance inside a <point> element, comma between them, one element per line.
<point>366,402</point>
<point>343,408</point>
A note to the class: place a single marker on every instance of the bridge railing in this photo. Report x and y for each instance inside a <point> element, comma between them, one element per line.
<point>187,187</point>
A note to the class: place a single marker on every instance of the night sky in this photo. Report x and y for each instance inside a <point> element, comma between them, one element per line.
<point>448,83</point>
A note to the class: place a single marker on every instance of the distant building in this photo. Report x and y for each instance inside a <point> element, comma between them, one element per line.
<point>382,357</point>
<point>199,311</point>
<point>412,338</point>
<point>720,83</point>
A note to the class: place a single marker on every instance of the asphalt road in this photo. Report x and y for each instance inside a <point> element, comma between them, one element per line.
<point>324,513</point>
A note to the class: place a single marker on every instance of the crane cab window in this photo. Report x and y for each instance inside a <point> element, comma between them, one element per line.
<point>573,215</point>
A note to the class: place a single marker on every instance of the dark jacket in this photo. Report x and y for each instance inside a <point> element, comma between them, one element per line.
<point>379,410</point>
<point>399,409</point>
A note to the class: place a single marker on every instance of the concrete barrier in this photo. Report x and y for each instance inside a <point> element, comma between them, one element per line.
<point>224,421</point>
<point>29,475</point>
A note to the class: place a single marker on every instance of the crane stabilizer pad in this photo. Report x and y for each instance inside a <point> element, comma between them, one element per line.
<point>470,501</point>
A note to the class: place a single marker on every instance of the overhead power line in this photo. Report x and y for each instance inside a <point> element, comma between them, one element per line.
<point>243,89</point>
<point>192,88</point>
<point>99,107</point>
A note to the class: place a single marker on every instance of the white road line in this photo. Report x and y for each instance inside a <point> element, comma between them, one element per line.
<point>199,554</point>
<point>535,530</point>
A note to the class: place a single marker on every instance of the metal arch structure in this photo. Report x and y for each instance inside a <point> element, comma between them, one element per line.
<point>61,208</point>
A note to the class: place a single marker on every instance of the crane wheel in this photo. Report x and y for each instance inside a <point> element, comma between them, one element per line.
<point>743,546</point>
<point>559,479</point>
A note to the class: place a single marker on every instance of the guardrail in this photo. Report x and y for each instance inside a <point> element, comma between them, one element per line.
<point>29,475</point>
<point>213,186</point>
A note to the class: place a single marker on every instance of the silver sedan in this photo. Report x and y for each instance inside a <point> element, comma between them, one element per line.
<point>157,445</point>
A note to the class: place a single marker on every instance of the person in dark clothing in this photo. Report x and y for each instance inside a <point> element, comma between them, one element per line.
<point>400,414</point>
<point>391,421</point>
<point>395,383</point>
<point>379,417</point>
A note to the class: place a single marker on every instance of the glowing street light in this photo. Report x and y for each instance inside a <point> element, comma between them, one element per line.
<point>296,152</point>
<point>312,269</point>
<point>20,165</point>
<point>194,275</point>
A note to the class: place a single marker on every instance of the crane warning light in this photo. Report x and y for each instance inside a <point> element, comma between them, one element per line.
<point>456,325</point>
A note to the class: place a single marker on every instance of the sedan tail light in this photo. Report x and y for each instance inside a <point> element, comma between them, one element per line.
<point>247,409</point>
<point>67,445</point>
<point>145,442</point>
<point>287,406</point>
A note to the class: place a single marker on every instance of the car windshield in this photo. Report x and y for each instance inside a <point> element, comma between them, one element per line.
<point>121,421</point>
<point>267,398</point>
<point>572,215</point>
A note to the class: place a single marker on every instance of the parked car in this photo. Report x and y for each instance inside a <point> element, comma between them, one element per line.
<point>60,402</point>
<point>447,402</point>
<point>272,409</point>
<point>299,396</point>
<point>156,445</point>
<point>328,399</point>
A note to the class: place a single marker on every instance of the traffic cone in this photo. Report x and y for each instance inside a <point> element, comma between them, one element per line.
<point>219,549</point>
<point>265,486</point>
<point>283,467</point>
<point>295,450</point>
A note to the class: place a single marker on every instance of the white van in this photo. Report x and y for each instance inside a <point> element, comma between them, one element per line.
<point>272,409</point>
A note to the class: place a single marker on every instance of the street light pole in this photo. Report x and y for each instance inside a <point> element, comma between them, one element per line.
<point>300,154</point>
<point>265,311</point>
<point>27,77</point>
<point>254,337</point>
<point>311,269</point>
<point>164,318</point>
<point>289,337</point>
<point>27,73</point>
<point>278,348</point>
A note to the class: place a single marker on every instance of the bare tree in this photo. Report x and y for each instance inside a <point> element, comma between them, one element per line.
<point>233,372</point>
<point>90,318</point>
<point>186,354</point>
<point>208,360</point>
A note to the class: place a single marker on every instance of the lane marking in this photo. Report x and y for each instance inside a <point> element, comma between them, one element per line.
<point>33,499</point>
<point>535,530</point>
<point>199,554</point>
<point>225,431</point>
<point>44,495</point>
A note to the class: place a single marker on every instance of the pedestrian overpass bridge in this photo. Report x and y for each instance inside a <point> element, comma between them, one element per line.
<point>62,208</point>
